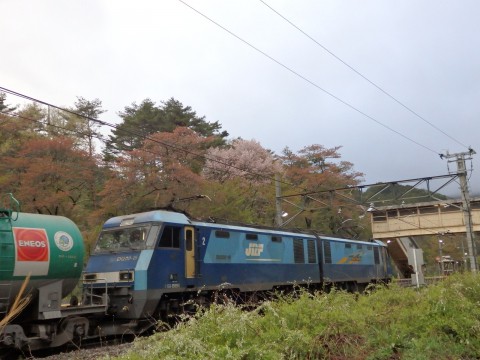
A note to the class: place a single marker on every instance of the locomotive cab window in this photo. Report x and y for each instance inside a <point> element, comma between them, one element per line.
<point>123,239</point>
<point>170,237</point>
<point>251,236</point>
<point>153,236</point>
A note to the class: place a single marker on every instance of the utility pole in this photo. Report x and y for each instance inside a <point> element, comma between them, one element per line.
<point>467,212</point>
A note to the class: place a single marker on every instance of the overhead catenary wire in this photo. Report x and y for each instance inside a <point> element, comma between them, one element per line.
<point>104,123</point>
<point>81,133</point>
<point>363,76</point>
<point>77,132</point>
<point>145,137</point>
<point>100,138</point>
<point>311,82</point>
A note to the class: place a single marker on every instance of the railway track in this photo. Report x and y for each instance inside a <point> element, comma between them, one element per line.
<point>74,352</point>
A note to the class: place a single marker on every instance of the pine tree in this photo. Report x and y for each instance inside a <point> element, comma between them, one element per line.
<point>141,121</point>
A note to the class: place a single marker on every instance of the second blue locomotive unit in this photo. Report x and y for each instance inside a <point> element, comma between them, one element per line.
<point>148,265</point>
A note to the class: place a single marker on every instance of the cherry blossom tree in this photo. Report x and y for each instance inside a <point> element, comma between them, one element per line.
<point>242,158</point>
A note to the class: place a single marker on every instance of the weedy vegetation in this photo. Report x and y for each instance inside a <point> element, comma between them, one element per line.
<point>440,321</point>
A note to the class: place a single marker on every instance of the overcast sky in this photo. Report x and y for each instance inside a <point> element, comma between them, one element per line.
<point>425,54</point>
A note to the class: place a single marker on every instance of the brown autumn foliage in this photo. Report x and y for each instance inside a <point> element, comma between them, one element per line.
<point>48,176</point>
<point>165,170</point>
<point>316,169</point>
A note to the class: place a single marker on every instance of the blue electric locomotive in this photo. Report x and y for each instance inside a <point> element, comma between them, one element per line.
<point>148,264</point>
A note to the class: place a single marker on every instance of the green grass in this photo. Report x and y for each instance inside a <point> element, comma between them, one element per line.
<point>438,322</point>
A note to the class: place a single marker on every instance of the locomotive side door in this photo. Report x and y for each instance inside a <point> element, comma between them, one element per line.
<point>189,251</point>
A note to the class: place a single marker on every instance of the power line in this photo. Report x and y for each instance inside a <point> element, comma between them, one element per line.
<point>98,137</point>
<point>308,80</point>
<point>131,132</point>
<point>77,132</point>
<point>81,133</point>
<point>363,76</point>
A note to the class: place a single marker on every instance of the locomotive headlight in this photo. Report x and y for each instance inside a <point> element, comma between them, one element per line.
<point>125,276</point>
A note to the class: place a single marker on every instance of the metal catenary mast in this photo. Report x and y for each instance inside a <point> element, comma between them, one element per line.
<point>460,159</point>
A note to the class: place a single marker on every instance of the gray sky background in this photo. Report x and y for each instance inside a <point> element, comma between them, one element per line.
<point>423,52</point>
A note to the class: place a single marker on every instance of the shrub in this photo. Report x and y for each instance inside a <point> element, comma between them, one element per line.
<point>437,322</point>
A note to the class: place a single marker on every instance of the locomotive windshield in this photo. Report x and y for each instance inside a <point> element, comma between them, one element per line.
<point>126,238</point>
